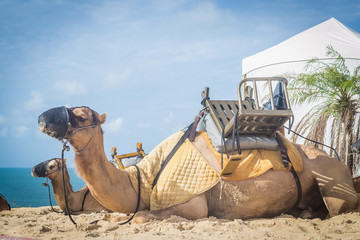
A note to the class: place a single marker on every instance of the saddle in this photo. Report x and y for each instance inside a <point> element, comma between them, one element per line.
<point>179,168</point>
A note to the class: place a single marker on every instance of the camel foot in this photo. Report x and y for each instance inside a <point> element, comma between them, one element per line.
<point>143,217</point>
<point>307,214</point>
<point>119,219</point>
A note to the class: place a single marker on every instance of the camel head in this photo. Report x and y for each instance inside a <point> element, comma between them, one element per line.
<point>62,122</point>
<point>48,168</point>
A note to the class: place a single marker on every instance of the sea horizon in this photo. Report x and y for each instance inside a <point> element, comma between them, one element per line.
<point>23,190</point>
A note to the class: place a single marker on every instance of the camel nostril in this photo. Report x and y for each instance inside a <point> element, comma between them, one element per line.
<point>42,126</point>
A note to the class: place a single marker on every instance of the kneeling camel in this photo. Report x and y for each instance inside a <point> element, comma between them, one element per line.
<point>80,201</point>
<point>325,181</point>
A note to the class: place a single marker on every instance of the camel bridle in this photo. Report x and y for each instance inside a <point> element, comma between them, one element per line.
<point>46,184</point>
<point>47,175</point>
<point>71,122</point>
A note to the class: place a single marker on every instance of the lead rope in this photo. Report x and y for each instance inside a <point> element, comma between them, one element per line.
<point>46,184</point>
<point>138,199</point>
<point>67,148</point>
<point>316,142</point>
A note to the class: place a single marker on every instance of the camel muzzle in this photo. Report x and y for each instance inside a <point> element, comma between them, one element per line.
<point>39,170</point>
<point>55,122</point>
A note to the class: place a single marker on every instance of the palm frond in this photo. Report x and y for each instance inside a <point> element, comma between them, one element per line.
<point>337,96</point>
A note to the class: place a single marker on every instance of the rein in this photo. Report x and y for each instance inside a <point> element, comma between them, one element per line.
<point>65,147</point>
<point>88,144</point>
<point>46,184</point>
<point>138,199</point>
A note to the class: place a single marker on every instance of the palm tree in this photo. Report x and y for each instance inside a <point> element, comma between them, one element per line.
<point>336,94</point>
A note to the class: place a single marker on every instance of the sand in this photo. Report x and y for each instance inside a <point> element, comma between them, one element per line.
<point>42,223</point>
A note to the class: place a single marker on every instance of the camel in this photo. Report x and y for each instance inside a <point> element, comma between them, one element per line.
<point>4,205</point>
<point>325,181</point>
<point>80,201</point>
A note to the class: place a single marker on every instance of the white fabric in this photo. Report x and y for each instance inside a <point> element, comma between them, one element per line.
<point>279,59</point>
<point>291,55</point>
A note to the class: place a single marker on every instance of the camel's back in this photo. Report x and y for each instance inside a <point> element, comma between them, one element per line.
<point>268,195</point>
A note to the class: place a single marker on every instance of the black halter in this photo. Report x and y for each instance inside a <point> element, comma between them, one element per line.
<point>71,120</point>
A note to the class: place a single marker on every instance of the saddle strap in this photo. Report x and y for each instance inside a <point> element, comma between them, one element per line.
<point>83,201</point>
<point>190,132</point>
<point>201,145</point>
<point>171,154</point>
<point>287,162</point>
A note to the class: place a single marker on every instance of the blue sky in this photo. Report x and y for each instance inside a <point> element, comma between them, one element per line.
<point>144,63</point>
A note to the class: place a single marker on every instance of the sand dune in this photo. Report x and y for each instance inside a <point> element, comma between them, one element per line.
<point>42,223</point>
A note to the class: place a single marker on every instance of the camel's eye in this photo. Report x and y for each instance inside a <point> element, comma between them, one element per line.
<point>51,167</point>
<point>81,119</point>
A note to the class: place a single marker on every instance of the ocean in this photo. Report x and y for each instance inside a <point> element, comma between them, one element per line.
<point>23,190</point>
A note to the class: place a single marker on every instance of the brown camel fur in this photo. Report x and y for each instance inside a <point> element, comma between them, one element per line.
<point>52,169</point>
<point>324,180</point>
<point>4,205</point>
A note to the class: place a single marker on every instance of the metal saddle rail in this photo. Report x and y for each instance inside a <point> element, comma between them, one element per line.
<point>253,119</point>
<point>119,158</point>
<point>266,119</point>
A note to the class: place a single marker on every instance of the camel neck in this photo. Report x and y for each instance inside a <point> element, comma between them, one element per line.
<point>57,184</point>
<point>94,150</point>
<point>103,179</point>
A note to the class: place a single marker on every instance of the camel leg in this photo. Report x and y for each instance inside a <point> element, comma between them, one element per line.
<point>195,208</point>
<point>335,183</point>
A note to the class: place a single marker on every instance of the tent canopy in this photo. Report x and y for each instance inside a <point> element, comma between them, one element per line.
<point>291,55</point>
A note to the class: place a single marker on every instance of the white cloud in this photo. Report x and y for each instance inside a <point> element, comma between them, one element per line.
<point>35,102</point>
<point>70,87</point>
<point>3,132</point>
<point>21,131</point>
<point>114,125</point>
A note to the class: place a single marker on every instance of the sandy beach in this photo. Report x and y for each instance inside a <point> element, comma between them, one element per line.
<point>42,223</point>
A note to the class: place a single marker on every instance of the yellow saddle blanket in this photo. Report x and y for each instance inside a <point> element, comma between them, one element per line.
<point>188,173</point>
<point>255,162</point>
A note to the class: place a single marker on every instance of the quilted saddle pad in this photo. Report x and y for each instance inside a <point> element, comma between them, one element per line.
<point>188,173</point>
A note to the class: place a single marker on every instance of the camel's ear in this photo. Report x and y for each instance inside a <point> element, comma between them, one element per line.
<point>102,118</point>
<point>64,160</point>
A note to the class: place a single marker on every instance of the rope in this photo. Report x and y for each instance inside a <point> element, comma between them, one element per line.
<point>138,199</point>
<point>337,155</point>
<point>47,185</point>
<point>65,147</point>
<point>293,61</point>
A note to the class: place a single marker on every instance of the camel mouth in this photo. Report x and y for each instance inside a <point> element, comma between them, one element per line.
<point>54,122</point>
<point>39,170</point>
<point>46,168</point>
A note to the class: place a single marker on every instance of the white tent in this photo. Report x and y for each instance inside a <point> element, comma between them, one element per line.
<point>291,55</point>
